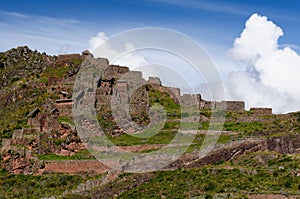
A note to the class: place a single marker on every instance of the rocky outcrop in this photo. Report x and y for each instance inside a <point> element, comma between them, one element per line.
<point>21,62</point>
<point>287,144</point>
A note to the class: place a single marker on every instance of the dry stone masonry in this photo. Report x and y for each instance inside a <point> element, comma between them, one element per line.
<point>118,86</point>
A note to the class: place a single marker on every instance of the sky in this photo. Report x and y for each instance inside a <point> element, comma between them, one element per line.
<point>243,38</point>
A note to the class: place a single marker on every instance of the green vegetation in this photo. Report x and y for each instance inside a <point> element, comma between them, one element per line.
<point>14,115</point>
<point>55,72</point>
<point>247,127</point>
<point>81,155</point>
<point>65,119</point>
<point>28,74</point>
<point>30,186</point>
<point>223,139</point>
<point>163,136</point>
<point>171,107</point>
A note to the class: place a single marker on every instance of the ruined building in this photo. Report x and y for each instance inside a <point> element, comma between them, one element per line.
<point>50,128</point>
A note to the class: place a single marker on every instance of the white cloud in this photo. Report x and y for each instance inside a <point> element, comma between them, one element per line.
<point>259,38</point>
<point>13,14</point>
<point>132,59</point>
<point>274,73</point>
<point>97,40</point>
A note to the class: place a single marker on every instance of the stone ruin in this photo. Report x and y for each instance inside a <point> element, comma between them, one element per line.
<point>261,111</point>
<point>115,85</point>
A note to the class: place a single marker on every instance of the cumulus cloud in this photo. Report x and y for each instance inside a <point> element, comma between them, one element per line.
<point>272,75</point>
<point>131,59</point>
<point>97,40</point>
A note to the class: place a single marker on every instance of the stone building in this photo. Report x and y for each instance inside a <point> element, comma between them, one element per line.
<point>233,106</point>
<point>190,100</point>
<point>64,106</point>
<point>261,111</point>
<point>34,118</point>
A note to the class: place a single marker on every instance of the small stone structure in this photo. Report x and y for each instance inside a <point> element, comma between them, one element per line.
<point>34,118</point>
<point>261,111</point>
<point>233,106</point>
<point>5,144</point>
<point>190,100</point>
<point>64,106</point>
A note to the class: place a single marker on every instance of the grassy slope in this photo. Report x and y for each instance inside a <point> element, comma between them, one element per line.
<point>29,186</point>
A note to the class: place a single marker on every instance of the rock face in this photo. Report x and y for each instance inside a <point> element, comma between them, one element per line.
<point>285,144</point>
<point>224,153</point>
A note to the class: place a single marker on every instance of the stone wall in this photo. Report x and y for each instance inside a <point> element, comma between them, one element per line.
<point>5,144</point>
<point>64,59</point>
<point>34,119</point>
<point>28,131</point>
<point>175,91</point>
<point>261,111</point>
<point>17,134</point>
<point>114,72</point>
<point>134,78</point>
<point>233,106</point>
<point>64,107</point>
<point>190,100</point>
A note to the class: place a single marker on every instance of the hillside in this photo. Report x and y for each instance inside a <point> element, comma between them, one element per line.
<point>42,154</point>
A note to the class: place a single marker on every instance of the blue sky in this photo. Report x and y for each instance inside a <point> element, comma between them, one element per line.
<point>57,27</point>
<point>66,27</point>
<point>210,22</point>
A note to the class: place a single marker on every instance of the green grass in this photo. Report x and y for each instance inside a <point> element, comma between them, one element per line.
<point>161,137</point>
<point>200,182</point>
<point>208,182</point>
<point>37,186</point>
<point>166,101</point>
<point>223,139</point>
<point>81,155</point>
<point>65,119</point>
<point>247,127</point>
